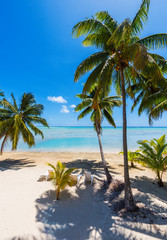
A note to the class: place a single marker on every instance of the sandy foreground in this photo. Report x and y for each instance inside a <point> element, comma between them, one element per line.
<point>28,209</point>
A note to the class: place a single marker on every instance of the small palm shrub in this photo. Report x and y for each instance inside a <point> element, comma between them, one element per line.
<point>61,177</point>
<point>131,157</point>
<point>151,154</point>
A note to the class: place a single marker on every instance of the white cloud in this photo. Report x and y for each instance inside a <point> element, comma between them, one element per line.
<point>73,106</point>
<point>64,109</point>
<point>59,99</point>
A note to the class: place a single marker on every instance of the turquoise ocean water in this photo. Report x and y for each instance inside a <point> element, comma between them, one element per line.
<point>85,139</point>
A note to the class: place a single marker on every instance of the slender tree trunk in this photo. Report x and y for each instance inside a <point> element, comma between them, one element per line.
<point>160,183</point>
<point>132,164</point>
<point>129,200</point>
<point>108,175</point>
<point>58,193</point>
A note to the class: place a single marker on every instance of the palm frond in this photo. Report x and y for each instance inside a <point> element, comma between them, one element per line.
<point>96,39</point>
<point>26,134</point>
<point>154,41</point>
<point>121,34</point>
<point>14,102</point>
<point>161,61</point>
<point>8,106</point>
<point>36,119</point>
<point>107,20</point>
<point>140,17</point>
<point>109,117</point>
<point>85,103</point>
<point>35,129</point>
<point>137,54</point>
<point>90,63</point>
<point>15,131</point>
<point>105,80</point>
<point>35,109</point>
<point>89,26</point>
<point>26,100</point>
<point>85,112</point>
<point>93,78</point>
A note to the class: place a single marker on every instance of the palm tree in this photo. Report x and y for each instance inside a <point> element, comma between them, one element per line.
<point>18,120</point>
<point>151,154</point>
<point>123,60</point>
<point>99,108</point>
<point>61,178</point>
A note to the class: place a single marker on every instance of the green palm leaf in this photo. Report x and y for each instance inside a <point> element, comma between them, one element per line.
<point>90,63</point>
<point>85,103</point>
<point>155,41</point>
<point>96,39</point>
<point>107,20</point>
<point>93,78</point>
<point>140,17</point>
<point>85,112</point>
<point>89,26</point>
<point>109,117</point>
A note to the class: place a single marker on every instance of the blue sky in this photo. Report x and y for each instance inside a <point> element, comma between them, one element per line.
<point>39,55</point>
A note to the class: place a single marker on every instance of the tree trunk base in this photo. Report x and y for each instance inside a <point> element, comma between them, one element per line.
<point>108,175</point>
<point>160,183</point>
<point>57,194</point>
<point>132,164</point>
<point>129,201</point>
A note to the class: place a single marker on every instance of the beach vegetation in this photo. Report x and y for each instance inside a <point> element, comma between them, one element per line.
<point>99,107</point>
<point>61,177</point>
<point>153,155</point>
<point>18,120</point>
<point>131,157</point>
<point>152,98</point>
<point>123,60</point>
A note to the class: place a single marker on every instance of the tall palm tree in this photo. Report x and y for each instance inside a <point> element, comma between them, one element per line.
<point>99,108</point>
<point>18,120</point>
<point>123,59</point>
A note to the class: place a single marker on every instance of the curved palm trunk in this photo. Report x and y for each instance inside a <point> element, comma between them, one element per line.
<point>108,175</point>
<point>129,201</point>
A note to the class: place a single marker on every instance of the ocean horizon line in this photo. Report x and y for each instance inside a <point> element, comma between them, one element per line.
<point>109,126</point>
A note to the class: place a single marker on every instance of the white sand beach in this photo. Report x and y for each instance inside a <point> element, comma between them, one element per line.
<point>28,209</point>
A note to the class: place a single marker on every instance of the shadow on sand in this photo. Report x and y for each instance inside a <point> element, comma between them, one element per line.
<point>13,164</point>
<point>89,165</point>
<point>75,217</point>
<point>87,215</point>
<point>148,186</point>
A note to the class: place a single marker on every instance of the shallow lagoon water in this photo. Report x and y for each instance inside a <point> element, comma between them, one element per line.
<point>85,139</point>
